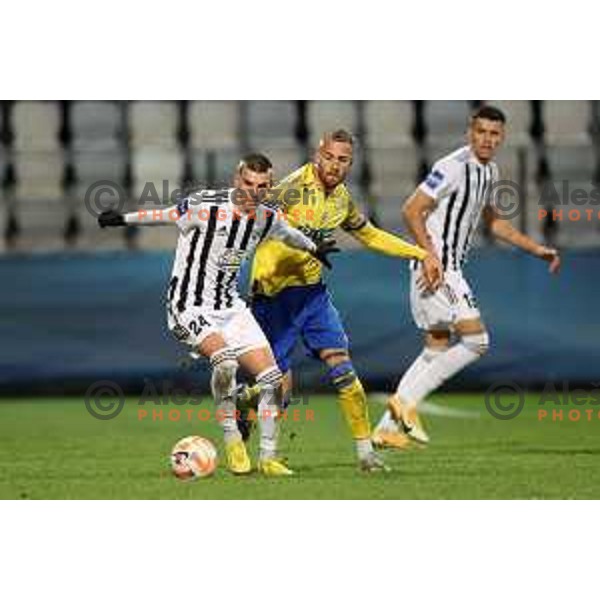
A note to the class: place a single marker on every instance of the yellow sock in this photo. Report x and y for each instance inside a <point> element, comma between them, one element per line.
<point>353,402</point>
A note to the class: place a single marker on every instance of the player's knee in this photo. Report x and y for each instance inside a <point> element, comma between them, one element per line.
<point>270,382</point>
<point>437,339</point>
<point>224,367</point>
<point>478,343</point>
<point>342,375</point>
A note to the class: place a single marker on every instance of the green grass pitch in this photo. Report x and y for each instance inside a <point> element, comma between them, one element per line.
<point>52,448</point>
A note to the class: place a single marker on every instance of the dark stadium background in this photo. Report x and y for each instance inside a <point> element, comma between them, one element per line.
<point>78,304</point>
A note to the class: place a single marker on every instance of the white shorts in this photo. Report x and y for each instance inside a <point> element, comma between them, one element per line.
<point>238,327</point>
<point>453,301</point>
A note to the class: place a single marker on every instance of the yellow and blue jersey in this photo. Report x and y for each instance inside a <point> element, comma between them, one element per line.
<point>302,198</point>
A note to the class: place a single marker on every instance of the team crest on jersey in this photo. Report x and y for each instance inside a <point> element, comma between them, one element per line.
<point>183,207</point>
<point>434,179</point>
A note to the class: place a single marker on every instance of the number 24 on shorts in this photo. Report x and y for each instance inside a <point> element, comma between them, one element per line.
<point>197,325</point>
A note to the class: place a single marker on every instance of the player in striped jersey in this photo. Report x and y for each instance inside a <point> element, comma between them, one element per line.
<point>442,215</point>
<point>218,230</point>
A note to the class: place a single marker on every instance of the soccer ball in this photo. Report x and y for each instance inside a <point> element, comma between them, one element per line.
<point>193,457</point>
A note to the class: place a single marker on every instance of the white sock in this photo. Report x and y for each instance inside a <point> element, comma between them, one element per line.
<point>420,365</point>
<point>364,448</point>
<point>267,413</point>
<point>224,368</point>
<point>268,406</point>
<point>412,389</point>
<point>433,367</point>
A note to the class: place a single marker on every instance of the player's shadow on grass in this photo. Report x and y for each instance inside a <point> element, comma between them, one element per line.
<point>343,468</point>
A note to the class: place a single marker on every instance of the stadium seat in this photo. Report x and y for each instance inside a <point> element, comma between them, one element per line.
<point>41,224</point>
<point>96,125</point>
<point>91,237</point>
<point>572,162</point>
<point>39,175</point>
<point>38,201</point>
<point>446,120</point>
<point>92,167</point>
<point>36,126</point>
<point>214,125</point>
<point>199,162</point>
<point>514,163</point>
<point>156,167</point>
<point>388,212</point>
<point>326,115</point>
<point>576,233</point>
<point>270,124</point>
<point>214,169</point>
<point>518,120</point>
<point>158,238</point>
<point>3,222</point>
<point>4,162</point>
<point>393,172</point>
<point>286,160</point>
<point>510,160</point>
<point>389,123</point>
<point>567,122</point>
<point>153,124</point>
<point>434,152</point>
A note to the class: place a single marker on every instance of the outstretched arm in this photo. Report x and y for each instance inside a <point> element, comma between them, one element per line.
<point>379,240</point>
<point>166,216</point>
<point>293,237</point>
<point>503,230</point>
<point>359,227</point>
<point>290,236</point>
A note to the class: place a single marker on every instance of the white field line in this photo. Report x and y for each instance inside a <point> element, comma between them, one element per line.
<point>430,408</point>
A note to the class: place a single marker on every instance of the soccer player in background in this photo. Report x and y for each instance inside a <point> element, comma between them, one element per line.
<point>218,231</point>
<point>290,299</point>
<point>442,216</point>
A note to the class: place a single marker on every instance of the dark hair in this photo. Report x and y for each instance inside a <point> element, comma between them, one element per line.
<point>256,162</point>
<point>338,135</point>
<point>489,112</point>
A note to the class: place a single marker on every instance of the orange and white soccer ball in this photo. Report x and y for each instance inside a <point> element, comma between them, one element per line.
<point>193,457</point>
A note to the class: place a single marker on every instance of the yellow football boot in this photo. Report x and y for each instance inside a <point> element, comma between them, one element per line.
<point>386,438</point>
<point>272,467</point>
<point>408,419</point>
<point>238,461</point>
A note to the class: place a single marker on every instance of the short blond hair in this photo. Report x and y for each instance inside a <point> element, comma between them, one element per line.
<point>337,135</point>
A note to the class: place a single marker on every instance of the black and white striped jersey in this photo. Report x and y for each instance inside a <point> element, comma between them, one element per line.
<point>460,184</point>
<point>214,240</point>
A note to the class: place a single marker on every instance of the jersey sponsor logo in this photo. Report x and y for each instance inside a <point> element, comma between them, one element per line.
<point>180,332</point>
<point>231,259</point>
<point>434,179</point>
<point>316,235</point>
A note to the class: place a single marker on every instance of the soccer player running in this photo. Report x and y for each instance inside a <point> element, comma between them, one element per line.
<point>217,231</point>
<point>442,215</point>
<point>290,299</point>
